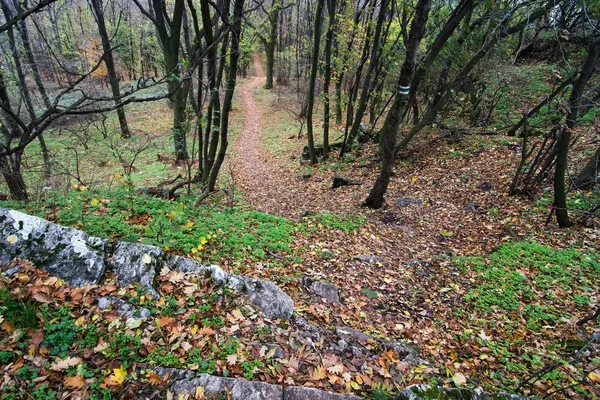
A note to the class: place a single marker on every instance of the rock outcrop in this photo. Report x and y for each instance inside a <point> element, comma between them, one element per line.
<point>80,259</point>
<point>68,253</point>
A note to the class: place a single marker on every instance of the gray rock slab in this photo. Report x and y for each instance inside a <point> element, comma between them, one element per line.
<point>235,388</point>
<point>305,393</point>
<point>406,201</point>
<point>66,253</point>
<point>133,262</point>
<point>123,308</point>
<point>325,290</point>
<point>268,297</point>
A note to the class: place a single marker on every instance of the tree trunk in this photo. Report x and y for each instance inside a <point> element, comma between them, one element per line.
<point>110,65</point>
<point>271,43</point>
<point>388,138</point>
<point>23,31</point>
<point>310,100</point>
<point>369,78</point>
<point>327,100</point>
<point>13,177</point>
<point>236,28</point>
<point>560,195</point>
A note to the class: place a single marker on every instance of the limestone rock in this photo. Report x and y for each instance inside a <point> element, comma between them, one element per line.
<point>271,300</point>
<point>372,259</point>
<point>123,308</point>
<point>406,201</point>
<point>422,392</point>
<point>133,262</point>
<point>303,393</point>
<point>239,389</point>
<point>472,206</point>
<point>322,289</point>
<point>66,253</point>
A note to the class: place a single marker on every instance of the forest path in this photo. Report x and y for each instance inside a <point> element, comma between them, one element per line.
<point>269,186</point>
<point>262,182</point>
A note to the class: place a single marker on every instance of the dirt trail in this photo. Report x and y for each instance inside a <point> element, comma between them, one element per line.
<point>267,186</point>
<point>252,169</point>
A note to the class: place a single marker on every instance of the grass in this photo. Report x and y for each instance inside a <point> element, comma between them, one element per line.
<point>206,233</point>
<point>523,292</point>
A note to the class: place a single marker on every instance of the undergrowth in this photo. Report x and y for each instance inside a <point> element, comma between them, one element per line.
<point>207,233</point>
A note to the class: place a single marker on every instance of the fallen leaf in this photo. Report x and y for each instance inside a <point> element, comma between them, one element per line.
<point>232,359</point>
<point>61,365</point>
<point>319,373</point>
<point>594,377</point>
<point>75,382</point>
<point>336,369</point>
<point>42,298</point>
<point>119,375</point>
<point>146,258</point>
<point>459,379</point>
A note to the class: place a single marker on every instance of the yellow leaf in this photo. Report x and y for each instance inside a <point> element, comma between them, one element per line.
<point>354,385</point>
<point>194,329</point>
<point>203,240</point>
<point>119,375</point>
<point>95,202</point>
<point>82,188</point>
<point>12,239</point>
<point>594,377</point>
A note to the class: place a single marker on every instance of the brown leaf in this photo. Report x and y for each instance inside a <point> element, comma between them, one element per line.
<point>36,337</point>
<point>336,369</point>
<point>75,382</point>
<point>42,298</point>
<point>319,373</point>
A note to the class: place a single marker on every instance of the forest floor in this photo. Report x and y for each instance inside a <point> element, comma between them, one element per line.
<point>477,279</point>
<point>445,202</point>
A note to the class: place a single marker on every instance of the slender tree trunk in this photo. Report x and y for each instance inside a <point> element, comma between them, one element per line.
<point>110,66</point>
<point>310,100</point>
<point>271,43</point>
<point>564,140</point>
<point>326,107</point>
<point>388,139</point>
<point>24,32</point>
<point>10,166</point>
<point>236,29</point>
<point>369,77</point>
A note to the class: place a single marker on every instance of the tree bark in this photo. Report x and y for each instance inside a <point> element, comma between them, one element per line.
<point>388,138</point>
<point>310,99</point>
<point>369,78</point>
<point>564,139</point>
<point>327,100</point>
<point>271,42</point>
<point>110,65</point>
